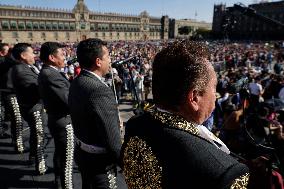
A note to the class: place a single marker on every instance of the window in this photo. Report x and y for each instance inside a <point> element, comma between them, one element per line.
<point>13,24</point>
<point>56,35</point>
<point>92,27</point>
<point>30,35</point>
<point>83,26</point>
<point>5,24</point>
<point>35,25</point>
<point>66,26</point>
<point>29,25</point>
<point>42,25</point>
<point>15,35</point>
<point>48,26</point>
<point>21,25</point>
<point>54,25</point>
<point>72,26</point>
<point>43,35</point>
<point>61,26</point>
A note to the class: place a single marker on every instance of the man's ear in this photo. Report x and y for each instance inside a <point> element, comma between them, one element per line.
<point>98,62</point>
<point>23,56</point>
<point>51,58</point>
<point>193,99</point>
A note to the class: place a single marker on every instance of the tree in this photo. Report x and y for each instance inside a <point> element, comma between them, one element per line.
<point>184,30</point>
<point>202,33</point>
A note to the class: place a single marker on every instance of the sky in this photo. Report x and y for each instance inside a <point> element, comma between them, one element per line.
<point>201,10</point>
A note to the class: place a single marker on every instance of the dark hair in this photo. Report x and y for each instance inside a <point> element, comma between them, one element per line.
<point>263,111</point>
<point>178,68</point>
<point>2,45</point>
<point>48,48</point>
<point>18,49</point>
<point>88,50</point>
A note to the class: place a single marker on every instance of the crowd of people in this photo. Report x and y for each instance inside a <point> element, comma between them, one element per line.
<point>218,111</point>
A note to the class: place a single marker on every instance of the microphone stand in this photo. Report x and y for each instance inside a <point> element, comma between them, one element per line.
<point>132,87</point>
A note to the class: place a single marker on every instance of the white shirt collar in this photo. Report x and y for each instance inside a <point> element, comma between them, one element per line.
<point>208,135</point>
<point>34,68</point>
<point>97,76</point>
<point>54,67</point>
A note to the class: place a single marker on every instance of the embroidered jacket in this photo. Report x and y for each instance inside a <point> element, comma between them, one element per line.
<point>162,150</point>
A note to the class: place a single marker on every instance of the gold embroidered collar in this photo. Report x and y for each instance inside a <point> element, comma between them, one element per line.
<point>174,121</point>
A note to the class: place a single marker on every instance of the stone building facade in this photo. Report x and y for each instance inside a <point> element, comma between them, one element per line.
<point>264,20</point>
<point>191,23</point>
<point>34,24</point>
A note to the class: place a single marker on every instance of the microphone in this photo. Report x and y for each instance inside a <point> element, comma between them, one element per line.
<point>117,63</point>
<point>72,61</point>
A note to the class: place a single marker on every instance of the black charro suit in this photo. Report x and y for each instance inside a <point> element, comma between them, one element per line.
<point>6,74</point>
<point>54,90</point>
<point>162,150</point>
<point>7,91</point>
<point>95,120</point>
<point>26,87</point>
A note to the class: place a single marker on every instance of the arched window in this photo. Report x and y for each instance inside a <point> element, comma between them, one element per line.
<point>21,25</point>
<point>61,26</point>
<point>42,25</point>
<point>83,26</point>
<point>5,24</point>
<point>48,25</point>
<point>35,25</point>
<point>54,25</point>
<point>72,26</point>
<point>29,25</point>
<point>13,24</point>
<point>66,26</point>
